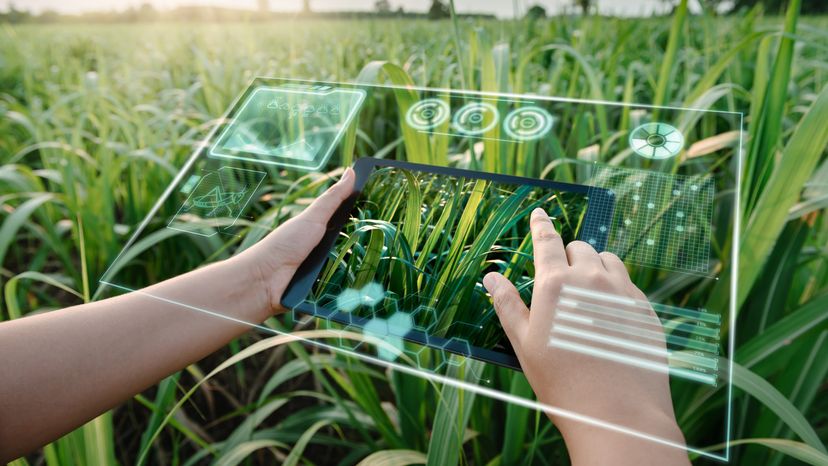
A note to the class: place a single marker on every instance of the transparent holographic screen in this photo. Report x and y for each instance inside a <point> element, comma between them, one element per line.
<point>288,127</point>
<point>574,145</point>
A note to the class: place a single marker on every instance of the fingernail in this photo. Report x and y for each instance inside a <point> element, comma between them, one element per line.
<point>540,211</point>
<point>489,281</point>
<point>347,175</point>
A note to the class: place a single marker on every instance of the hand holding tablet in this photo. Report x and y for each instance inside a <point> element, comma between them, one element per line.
<point>570,347</point>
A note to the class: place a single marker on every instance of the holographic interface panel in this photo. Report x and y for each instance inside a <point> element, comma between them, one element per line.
<point>290,127</point>
<point>400,284</point>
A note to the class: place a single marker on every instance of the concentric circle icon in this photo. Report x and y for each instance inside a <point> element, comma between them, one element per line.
<point>656,141</point>
<point>476,118</point>
<point>527,123</point>
<point>427,114</point>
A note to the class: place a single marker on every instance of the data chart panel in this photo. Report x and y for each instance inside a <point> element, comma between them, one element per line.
<point>661,219</point>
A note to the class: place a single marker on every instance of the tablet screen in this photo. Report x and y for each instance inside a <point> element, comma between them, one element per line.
<point>411,257</point>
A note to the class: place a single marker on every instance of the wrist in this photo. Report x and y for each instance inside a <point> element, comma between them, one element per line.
<point>650,421</point>
<point>248,287</point>
<point>647,436</point>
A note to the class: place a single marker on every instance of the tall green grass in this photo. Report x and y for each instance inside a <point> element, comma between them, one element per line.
<point>96,119</point>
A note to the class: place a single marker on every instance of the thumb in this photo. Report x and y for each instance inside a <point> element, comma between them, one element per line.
<point>292,241</point>
<point>321,210</point>
<point>512,312</point>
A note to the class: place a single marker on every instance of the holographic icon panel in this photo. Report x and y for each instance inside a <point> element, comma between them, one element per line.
<point>656,141</point>
<point>215,200</point>
<point>527,123</point>
<point>295,128</point>
<point>476,118</point>
<point>427,114</point>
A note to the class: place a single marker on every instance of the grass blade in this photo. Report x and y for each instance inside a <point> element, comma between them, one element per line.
<point>797,450</point>
<point>393,458</point>
<point>452,417</point>
<point>782,191</point>
<point>670,58</point>
<point>770,397</point>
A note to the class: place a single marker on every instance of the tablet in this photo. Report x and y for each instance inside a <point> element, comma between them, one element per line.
<point>405,254</point>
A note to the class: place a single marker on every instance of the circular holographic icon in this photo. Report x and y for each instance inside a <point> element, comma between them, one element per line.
<point>427,114</point>
<point>475,118</point>
<point>656,141</point>
<point>527,123</point>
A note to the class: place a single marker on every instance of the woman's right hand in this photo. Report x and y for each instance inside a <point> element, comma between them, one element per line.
<point>628,396</point>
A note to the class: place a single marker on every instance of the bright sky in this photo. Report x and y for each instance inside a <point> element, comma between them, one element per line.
<point>502,8</point>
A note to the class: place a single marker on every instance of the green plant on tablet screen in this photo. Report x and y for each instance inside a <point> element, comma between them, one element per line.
<point>429,239</point>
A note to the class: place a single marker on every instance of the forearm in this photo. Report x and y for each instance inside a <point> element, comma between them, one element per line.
<point>114,349</point>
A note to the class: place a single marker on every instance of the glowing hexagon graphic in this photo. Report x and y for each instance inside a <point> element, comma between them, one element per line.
<point>349,300</point>
<point>390,331</point>
<point>400,324</point>
<point>425,314</point>
<point>372,294</point>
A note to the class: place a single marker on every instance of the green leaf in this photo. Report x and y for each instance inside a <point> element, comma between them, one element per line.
<point>417,147</point>
<point>811,368</point>
<point>173,423</point>
<point>797,450</point>
<point>299,447</point>
<point>241,451</point>
<point>11,289</point>
<point>783,332</point>
<point>714,72</point>
<point>782,191</point>
<point>517,422</point>
<point>670,58</point>
<point>762,150</point>
<point>15,220</point>
<point>99,440</point>
<point>393,458</point>
<point>770,397</point>
<point>255,348</point>
<point>453,412</point>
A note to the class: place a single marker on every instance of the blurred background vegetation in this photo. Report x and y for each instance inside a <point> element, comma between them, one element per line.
<point>97,115</point>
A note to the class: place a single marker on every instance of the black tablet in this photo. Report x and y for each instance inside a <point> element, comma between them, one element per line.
<point>407,251</point>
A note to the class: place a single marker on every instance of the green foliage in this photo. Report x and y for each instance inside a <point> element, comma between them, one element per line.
<point>96,120</point>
